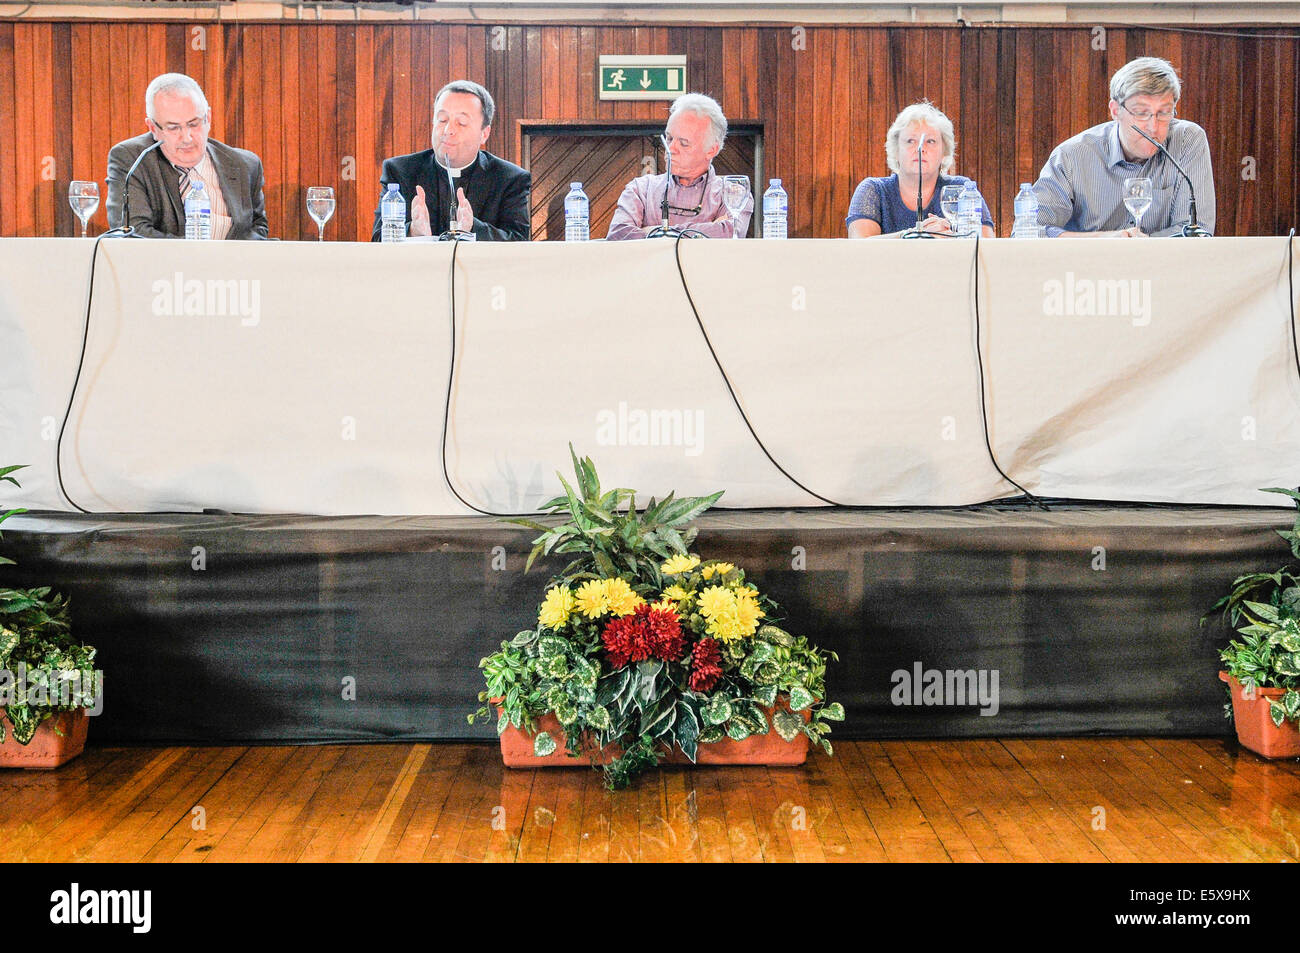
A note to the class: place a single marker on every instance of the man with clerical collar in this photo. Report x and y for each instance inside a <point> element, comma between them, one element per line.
<point>178,117</point>
<point>695,133</point>
<point>490,195</point>
<point>1080,191</point>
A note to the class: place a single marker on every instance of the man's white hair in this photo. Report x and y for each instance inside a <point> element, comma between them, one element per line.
<point>706,106</point>
<point>1145,76</point>
<point>174,84</point>
<point>927,113</point>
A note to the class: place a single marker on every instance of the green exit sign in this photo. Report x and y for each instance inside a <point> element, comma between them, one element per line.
<point>642,77</point>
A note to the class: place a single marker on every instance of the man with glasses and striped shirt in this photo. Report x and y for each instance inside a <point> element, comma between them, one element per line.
<point>1081,188</point>
<point>178,116</point>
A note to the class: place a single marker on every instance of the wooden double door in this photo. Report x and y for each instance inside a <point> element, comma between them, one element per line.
<point>605,157</point>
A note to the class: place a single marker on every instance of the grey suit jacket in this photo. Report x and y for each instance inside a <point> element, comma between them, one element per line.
<point>156,210</point>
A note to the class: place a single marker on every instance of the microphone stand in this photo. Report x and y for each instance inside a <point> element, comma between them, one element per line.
<point>916,231</point>
<point>452,234</point>
<point>126,230</point>
<point>1191,229</point>
<point>664,230</point>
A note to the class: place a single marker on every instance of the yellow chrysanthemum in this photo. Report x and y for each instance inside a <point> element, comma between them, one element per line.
<point>747,611</point>
<point>676,594</point>
<point>591,598</point>
<point>718,606</point>
<point>666,605</point>
<point>620,598</point>
<point>677,564</point>
<point>556,608</point>
<point>717,569</point>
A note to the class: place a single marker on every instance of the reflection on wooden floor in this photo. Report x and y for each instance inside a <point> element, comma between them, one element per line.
<point>1115,799</point>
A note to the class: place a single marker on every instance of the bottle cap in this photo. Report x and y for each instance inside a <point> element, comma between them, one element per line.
<point>575,185</point>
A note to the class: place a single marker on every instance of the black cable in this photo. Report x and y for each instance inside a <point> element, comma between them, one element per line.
<point>677,252</point>
<point>1290,298</point>
<point>446,406</point>
<point>979,358</point>
<point>81,361</point>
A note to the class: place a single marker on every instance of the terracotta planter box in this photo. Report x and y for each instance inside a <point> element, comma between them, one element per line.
<point>47,749</point>
<point>1255,728</point>
<point>769,749</point>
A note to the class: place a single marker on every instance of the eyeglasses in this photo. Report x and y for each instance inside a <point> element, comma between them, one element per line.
<point>1142,115</point>
<point>174,128</point>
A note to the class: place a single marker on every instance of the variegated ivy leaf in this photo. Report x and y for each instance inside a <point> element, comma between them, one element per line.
<point>585,673</point>
<point>1286,663</point>
<point>503,722</point>
<point>543,744</point>
<point>549,645</point>
<point>775,635</point>
<point>598,718</point>
<point>717,711</point>
<point>566,713</point>
<point>738,729</point>
<point>826,746</point>
<point>1291,702</point>
<point>800,698</point>
<point>8,642</point>
<point>1286,639</point>
<point>710,735</point>
<point>523,638</point>
<point>767,674</point>
<point>1291,598</point>
<point>557,666</point>
<point>1276,711</point>
<point>832,712</point>
<point>787,725</point>
<point>765,695</point>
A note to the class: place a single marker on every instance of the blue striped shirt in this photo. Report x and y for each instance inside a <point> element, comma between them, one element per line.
<point>1081,187</point>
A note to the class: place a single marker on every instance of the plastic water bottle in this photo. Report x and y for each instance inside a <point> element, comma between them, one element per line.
<point>577,213</point>
<point>969,207</point>
<point>392,211</point>
<point>198,213</point>
<point>775,206</point>
<point>1026,224</point>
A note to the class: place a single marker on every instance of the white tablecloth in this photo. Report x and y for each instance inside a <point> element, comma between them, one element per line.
<point>308,377</point>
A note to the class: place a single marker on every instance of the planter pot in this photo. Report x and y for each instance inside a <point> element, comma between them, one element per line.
<point>768,749</point>
<point>47,749</point>
<point>1255,728</point>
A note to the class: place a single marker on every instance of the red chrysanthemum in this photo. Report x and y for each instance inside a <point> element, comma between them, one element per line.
<point>647,633</point>
<point>706,665</point>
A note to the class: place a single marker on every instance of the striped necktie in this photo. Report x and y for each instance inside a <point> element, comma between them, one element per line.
<point>185,181</point>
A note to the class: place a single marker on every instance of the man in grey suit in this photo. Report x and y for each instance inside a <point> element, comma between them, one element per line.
<point>178,117</point>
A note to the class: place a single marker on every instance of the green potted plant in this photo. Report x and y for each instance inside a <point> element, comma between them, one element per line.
<point>48,680</point>
<point>642,652</point>
<point>1262,668</point>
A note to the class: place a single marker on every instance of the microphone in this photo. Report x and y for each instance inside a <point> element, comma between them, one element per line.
<point>664,230</point>
<point>125,229</point>
<point>453,233</point>
<point>916,231</point>
<point>1191,229</point>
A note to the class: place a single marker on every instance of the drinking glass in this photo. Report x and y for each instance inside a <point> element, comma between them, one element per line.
<point>1137,198</point>
<point>320,206</point>
<point>735,192</point>
<point>84,199</point>
<point>948,197</point>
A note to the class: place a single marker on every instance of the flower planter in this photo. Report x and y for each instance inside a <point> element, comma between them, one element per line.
<point>1255,728</point>
<point>768,749</point>
<point>47,749</point>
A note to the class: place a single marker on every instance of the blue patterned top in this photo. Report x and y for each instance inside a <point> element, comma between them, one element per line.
<point>880,201</point>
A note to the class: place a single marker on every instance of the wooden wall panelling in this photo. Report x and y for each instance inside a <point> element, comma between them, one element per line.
<point>306,95</point>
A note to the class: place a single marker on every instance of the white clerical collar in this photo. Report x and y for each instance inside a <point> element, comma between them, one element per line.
<point>455,173</point>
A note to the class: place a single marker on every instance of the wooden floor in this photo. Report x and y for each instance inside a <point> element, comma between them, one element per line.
<point>1122,799</point>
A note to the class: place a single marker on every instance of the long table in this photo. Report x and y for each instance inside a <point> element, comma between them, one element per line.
<point>313,377</point>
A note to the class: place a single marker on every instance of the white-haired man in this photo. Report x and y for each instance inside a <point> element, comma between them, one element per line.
<point>1081,188</point>
<point>178,117</point>
<point>695,133</point>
